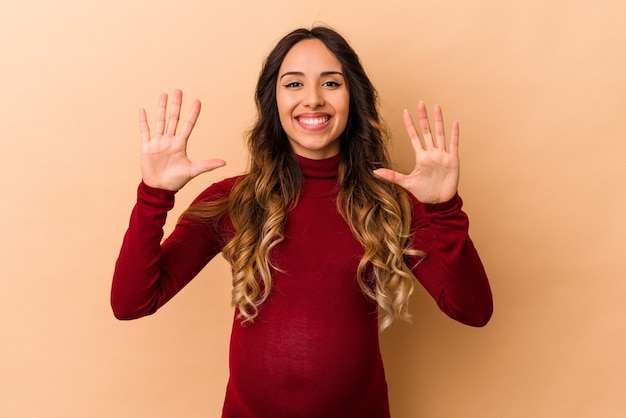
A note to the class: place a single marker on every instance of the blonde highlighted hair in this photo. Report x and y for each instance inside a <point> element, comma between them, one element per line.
<point>377,212</point>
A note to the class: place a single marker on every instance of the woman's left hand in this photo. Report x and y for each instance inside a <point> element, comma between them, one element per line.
<point>435,177</point>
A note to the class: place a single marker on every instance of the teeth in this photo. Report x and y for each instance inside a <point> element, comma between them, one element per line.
<point>313,121</point>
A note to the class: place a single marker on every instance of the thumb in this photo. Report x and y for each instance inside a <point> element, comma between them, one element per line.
<point>205,166</point>
<point>390,175</point>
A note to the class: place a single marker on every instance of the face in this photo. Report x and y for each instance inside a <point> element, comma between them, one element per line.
<point>313,99</point>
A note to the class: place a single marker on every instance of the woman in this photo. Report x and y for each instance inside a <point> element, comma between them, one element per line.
<point>320,233</point>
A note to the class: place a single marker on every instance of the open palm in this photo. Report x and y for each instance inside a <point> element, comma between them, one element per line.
<point>435,177</point>
<point>164,161</point>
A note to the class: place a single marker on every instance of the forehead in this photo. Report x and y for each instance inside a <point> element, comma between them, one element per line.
<point>310,56</point>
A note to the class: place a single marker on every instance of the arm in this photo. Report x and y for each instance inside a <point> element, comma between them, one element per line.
<point>148,274</point>
<point>452,271</point>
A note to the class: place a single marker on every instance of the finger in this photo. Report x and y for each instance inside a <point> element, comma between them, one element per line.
<point>143,126</point>
<point>159,125</point>
<point>190,122</point>
<point>205,166</point>
<point>440,135</point>
<point>454,138</point>
<point>172,123</point>
<point>422,117</point>
<point>416,141</point>
<point>391,176</point>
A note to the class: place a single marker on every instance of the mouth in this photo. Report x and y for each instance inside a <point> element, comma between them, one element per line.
<point>310,122</point>
<point>313,123</point>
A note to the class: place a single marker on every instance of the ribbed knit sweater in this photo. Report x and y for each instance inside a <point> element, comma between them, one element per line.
<point>313,351</point>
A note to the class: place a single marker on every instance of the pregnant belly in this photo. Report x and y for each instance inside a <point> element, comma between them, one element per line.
<point>307,365</point>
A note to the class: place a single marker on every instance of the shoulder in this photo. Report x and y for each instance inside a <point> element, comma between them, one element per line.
<point>219,190</point>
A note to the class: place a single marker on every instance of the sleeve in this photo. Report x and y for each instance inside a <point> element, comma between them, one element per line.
<point>451,270</point>
<point>148,273</point>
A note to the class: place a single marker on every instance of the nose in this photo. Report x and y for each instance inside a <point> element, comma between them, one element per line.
<point>313,97</point>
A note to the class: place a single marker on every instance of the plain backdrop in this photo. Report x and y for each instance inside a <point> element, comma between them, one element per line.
<point>539,89</point>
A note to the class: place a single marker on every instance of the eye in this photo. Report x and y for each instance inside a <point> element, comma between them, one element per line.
<point>293,85</point>
<point>331,84</point>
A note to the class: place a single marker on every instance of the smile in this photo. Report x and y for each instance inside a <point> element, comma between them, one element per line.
<point>313,121</point>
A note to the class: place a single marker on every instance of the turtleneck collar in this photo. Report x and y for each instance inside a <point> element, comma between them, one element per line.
<point>327,168</point>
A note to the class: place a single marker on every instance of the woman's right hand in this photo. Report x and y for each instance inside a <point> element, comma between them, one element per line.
<point>164,162</point>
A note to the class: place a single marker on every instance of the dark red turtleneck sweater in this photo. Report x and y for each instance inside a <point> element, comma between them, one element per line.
<point>313,351</point>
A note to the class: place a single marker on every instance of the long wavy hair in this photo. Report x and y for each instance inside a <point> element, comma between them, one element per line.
<point>377,212</point>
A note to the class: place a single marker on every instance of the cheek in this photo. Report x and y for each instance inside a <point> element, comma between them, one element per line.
<point>284,117</point>
<point>284,106</point>
<point>345,110</point>
<point>345,104</point>
<point>280,106</point>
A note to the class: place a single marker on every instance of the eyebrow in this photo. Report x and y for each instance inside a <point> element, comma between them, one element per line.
<point>301,74</point>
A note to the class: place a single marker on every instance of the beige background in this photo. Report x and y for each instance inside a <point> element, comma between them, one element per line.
<point>538,87</point>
